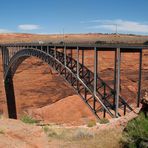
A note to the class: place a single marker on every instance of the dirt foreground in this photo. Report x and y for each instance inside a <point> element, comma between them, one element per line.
<point>15,134</point>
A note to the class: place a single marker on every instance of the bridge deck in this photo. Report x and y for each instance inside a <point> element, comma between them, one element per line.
<point>86,45</point>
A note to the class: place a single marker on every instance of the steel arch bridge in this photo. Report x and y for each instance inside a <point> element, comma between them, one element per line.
<point>93,90</point>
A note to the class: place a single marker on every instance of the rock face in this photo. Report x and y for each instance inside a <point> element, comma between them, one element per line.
<point>70,110</point>
<point>16,134</point>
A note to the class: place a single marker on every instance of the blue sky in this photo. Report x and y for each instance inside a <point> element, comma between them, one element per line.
<point>74,16</point>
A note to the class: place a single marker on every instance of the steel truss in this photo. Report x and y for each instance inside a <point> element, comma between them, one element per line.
<point>95,92</point>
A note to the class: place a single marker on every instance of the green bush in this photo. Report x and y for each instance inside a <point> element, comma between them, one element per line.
<point>46,129</point>
<point>103,121</point>
<point>28,119</point>
<point>91,123</point>
<point>136,133</point>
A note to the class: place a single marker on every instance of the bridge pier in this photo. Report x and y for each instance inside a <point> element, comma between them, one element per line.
<point>10,97</point>
<point>8,84</point>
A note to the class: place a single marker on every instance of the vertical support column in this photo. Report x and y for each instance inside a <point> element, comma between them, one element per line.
<point>78,62</point>
<point>47,49</point>
<point>55,52</point>
<point>117,82</point>
<point>82,62</point>
<point>95,69</point>
<point>95,75</point>
<point>55,56</point>
<point>70,64</point>
<point>77,68</point>
<point>71,56</point>
<point>65,63</point>
<point>5,57</point>
<point>10,52</point>
<point>42,48</point>
<point>8,84</point>
<point>115,71</point>
<point>10,96</point>
<point>139,79</point>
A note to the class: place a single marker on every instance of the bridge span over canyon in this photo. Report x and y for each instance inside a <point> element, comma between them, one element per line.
<point>66,59</point>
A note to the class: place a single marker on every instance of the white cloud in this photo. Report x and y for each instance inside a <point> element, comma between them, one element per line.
<point>122,26</point>
<point>28,27</point>
<point>4,31</point>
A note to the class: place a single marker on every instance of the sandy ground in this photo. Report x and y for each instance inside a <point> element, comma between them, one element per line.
<point>73,38</point>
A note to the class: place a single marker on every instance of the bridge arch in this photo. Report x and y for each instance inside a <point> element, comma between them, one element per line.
<point>23,54</point>
<point>56,63</point>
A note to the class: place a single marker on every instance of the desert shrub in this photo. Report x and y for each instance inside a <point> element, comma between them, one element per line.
<point>103,121</point>
<point>50,43</point>
<point>82,134</point>
<point>100,42</point>
<point>52,133</point>
<point>146,43</point>
<point>1,116</point>
<point>136,133</point>
<point>46,129</point>
<point>28,119</point>
<point>91,123</point>
<point>1,131</point>
<point>61,42</point>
